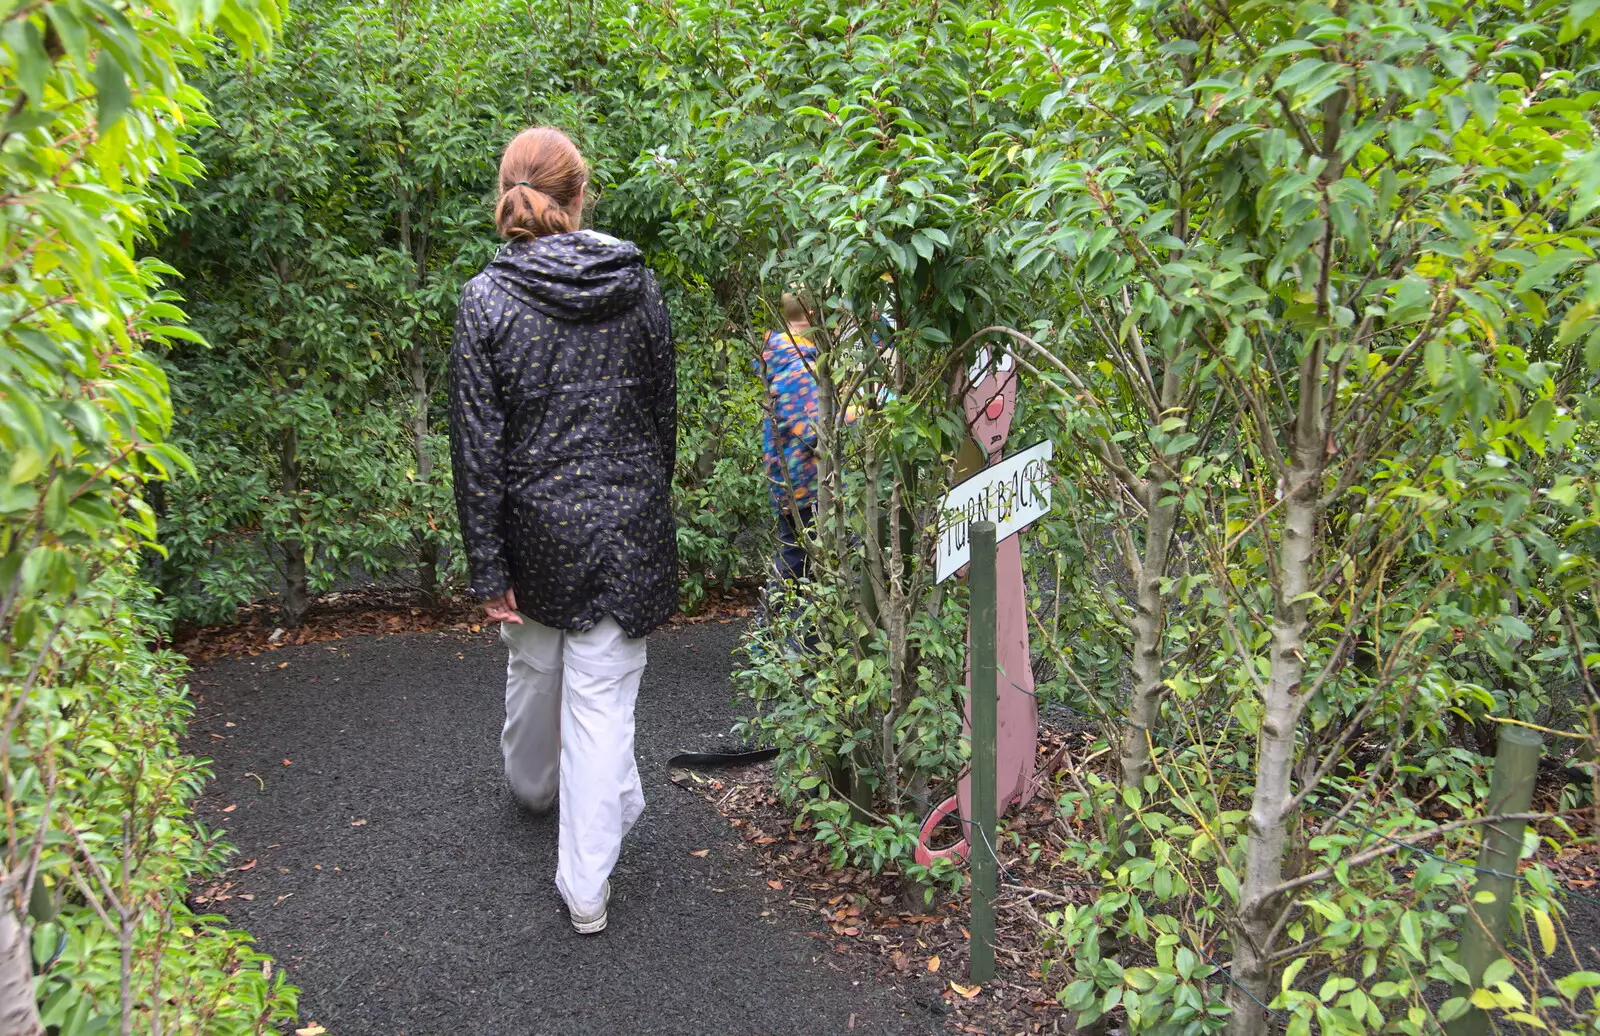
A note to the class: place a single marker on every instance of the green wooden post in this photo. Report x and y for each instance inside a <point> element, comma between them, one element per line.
<point>982,637</point>
<point>1516,764</point>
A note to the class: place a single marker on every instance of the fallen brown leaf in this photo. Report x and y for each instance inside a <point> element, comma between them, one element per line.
<point>246,865</point>
<point>966,991</point>
<point>230,809</point>
<point>934,962</point>
<point>311,1030</point>
<point>701,852</point>
<point>775,885</point>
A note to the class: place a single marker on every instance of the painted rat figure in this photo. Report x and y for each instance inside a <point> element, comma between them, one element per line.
<point>990,398</point>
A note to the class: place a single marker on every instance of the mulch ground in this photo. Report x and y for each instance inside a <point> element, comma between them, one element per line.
<point>887,922</point>
<point>883,919</point>
<point>382,611</point>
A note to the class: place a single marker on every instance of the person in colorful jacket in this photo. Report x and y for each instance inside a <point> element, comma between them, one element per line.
<point>789,434</point>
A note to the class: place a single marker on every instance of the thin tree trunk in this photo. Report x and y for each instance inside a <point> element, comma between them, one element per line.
<point>296,586</point>
<point>1149,623</point>
<point>828,530</point>
<point>126,916</point>
<point>427,549</point>
<point>1144,705</point>
<point>1273,799</point>
<point>1281,708</point>
<point>19,1012</point>
<point>903,683</point>
<point>415,247</point>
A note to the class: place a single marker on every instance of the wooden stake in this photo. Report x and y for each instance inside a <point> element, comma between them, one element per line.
<point>1516,764</point>
<point>981,582</point>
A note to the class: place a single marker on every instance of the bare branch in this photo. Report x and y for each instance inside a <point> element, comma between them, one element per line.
<point>1396,844</point>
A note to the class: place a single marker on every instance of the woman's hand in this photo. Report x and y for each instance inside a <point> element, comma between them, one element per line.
<point>503,608</point>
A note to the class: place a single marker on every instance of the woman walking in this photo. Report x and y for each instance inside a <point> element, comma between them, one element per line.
<point>563,425</point>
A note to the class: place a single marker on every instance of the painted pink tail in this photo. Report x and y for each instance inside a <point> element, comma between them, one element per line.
<point>926,854</point>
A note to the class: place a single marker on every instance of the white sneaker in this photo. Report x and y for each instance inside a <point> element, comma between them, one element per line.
<point>592,924</point>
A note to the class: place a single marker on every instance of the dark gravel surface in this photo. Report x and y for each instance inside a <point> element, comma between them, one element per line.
<point>435,909</point>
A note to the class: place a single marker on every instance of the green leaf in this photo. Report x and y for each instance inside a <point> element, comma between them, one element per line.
<point>1227,136</point>
<point>1485,100</point>
<point>1544,271</point>
<point>1292,972</point>
<point>73,33</point>
<point>28,56</point>
<point>1139,978</point>
<point>1580,15</point>
<point>1573,983</point>
<point>1547,931</point>
<point>1411,934</point>
<point>111,92</point>
<point>26,465</point>
<point>1454,969</point>
<point>1499,970</point>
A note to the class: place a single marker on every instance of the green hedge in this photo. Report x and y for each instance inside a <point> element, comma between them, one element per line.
<point>99,844</point>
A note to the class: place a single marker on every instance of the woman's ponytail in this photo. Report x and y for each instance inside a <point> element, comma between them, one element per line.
<point>542,177</point>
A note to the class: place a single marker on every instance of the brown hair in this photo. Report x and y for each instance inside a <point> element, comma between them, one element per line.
<point>794,311</point>
<point>542,176</point>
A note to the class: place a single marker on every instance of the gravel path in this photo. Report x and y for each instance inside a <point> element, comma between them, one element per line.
<point>434,909</point>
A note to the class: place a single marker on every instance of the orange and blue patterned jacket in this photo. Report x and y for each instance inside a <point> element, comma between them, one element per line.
<point>789,434</point>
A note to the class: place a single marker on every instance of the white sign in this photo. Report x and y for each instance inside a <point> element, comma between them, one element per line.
<point>1012,494</point>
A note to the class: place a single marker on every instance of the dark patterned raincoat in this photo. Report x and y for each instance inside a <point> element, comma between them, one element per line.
<point>563,397</point>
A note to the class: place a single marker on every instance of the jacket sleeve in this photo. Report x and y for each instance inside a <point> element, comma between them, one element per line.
<point>477,450</point>
<point>664,360</point>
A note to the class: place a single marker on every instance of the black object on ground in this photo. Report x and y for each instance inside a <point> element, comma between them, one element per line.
<point>715,760</point>
<point>406,893</point>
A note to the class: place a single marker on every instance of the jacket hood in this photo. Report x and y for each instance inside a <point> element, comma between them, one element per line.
<point>582,276</point>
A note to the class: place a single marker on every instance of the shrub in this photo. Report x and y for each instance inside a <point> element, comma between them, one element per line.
<point>98,843</point>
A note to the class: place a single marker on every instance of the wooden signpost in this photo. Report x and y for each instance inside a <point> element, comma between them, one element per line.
<point>980,519</point>
<point>984,865</point>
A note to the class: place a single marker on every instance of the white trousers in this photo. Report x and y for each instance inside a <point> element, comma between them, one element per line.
<point>569,728</point>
